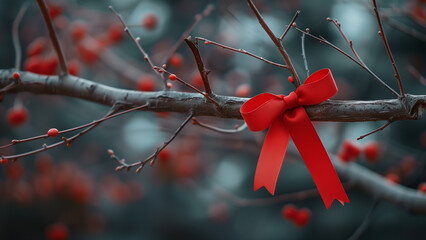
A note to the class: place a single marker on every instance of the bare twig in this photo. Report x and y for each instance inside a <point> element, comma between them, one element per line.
<point>289,25</point>
<point>237,129</point>
<point>407,30</point>
<point>15,36</point>
<point>200,65</point>
<point>145,55</point>
<point>277,43</point>
<point>361,229</point>
<point>377,130</point>
<point>17,141</point>
<point>206,12</point>
<point>385,41</point>
<point>207,42</point>
<point>190,86</point>
<point>53,37</point>
<point>153,156</point>
<point>305,61</point>
<point>323,40</point>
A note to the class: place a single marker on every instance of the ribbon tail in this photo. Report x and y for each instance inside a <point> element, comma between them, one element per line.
<point>315,156</point>
<point>272,156</point>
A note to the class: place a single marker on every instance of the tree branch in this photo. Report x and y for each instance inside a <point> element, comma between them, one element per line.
<point>332,110</point>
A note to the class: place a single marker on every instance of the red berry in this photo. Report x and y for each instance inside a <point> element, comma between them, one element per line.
<point>54,10</point>
<point>176,60</point>
<point>422,187</point>
<point>352,149</point>
<point>344,156</point>
<point>57,232</point>
<point>164,155</point>
<point>371,152</point>
<point>289,211</point>
<point>4,161</point>
<point>197,80</point>
<point>146,83</point>
<point>78,30</point>
<point>290,79</point>
<point>16,75</point>
<point>150,21</point>
<point>17,116</point>
<point>172,77</point>
<point>73,67</point>
<point>115,34</point>
<point>243,90</point>
<point>53,132</point>
<point>48,66</point>
<point>302,217</point>
<point>36,47</point>
<point>88,54</point>
<point>32,64</point>
<point>169,85</point>
<point>392,178</point>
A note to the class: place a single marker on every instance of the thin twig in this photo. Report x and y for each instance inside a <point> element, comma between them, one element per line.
<point>207,42</point>
<point>153,156</point>
<point>15,36</point>
<point>407,30</point>
<point>413,71</point>
<point>110,115</point>
<point>305,61</point>
<point>277,43</point>
<point>200,65</point>
<point>385,41</point>
<point>290,24</point>
<point>323,40</point>
<point>145,55</point>
<point>53,37</point>
<point>237,129</point>
<point>361,229</point>
<point>206,12</point>
<point>287,197</point>
<point>189,85</point>
<point>377,130</point>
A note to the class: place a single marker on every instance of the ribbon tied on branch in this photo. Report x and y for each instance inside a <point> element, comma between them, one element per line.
<point>285,116</point>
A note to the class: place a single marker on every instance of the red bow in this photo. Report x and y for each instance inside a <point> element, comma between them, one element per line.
<point>287,117</point>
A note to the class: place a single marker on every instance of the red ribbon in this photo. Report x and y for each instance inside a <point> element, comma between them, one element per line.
<point>287,117</point>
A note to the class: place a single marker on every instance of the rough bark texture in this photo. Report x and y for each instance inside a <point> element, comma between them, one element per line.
<point>411,107</point>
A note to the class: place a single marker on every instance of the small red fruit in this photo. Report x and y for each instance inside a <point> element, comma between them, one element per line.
<point>289,212</point>
<point>32,64</point>
<point>17,116</point>
<point>36,47</point>
<point>290,79</point>
<point>302,217</point>
<point>57,231</point>
<point>4,161</point>
<point>344,156</point>
<point>88,54</point>
<point>422,187</point>
<point>392,178</point>
<point>371,152</point>
<point>172,77</point>
<point>78,30</point>
<point>150,21</point>
<point>243,90</point>
<point>352,149</point>
<point>164,155</point>
<point>54,10</point>
<point>115,34</point>
<point>176,60</point>
<point>53,132</point>
<point>197,80</point>
<point>16,75</point>
<point>146,83</point>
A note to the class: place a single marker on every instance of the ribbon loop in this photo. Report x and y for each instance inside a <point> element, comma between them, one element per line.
<point>287,118</point>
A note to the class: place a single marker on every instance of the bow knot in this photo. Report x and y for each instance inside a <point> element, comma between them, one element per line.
<point>285,117</point>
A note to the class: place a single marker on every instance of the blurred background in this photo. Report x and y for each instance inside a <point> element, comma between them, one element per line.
<point>201,185</point>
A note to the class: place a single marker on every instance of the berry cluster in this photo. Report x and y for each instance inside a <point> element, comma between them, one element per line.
<point>352,151</point>
<point>300,217</point>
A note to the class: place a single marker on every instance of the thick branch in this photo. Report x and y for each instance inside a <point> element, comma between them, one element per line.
<point>332,110</point>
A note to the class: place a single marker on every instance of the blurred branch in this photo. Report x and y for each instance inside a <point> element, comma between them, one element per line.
<point>53,37</point>
<point>15,36</point>
<point>361,229</point>
<point>413,71</point>
<point>332,110</point>
<point>305,61</point>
